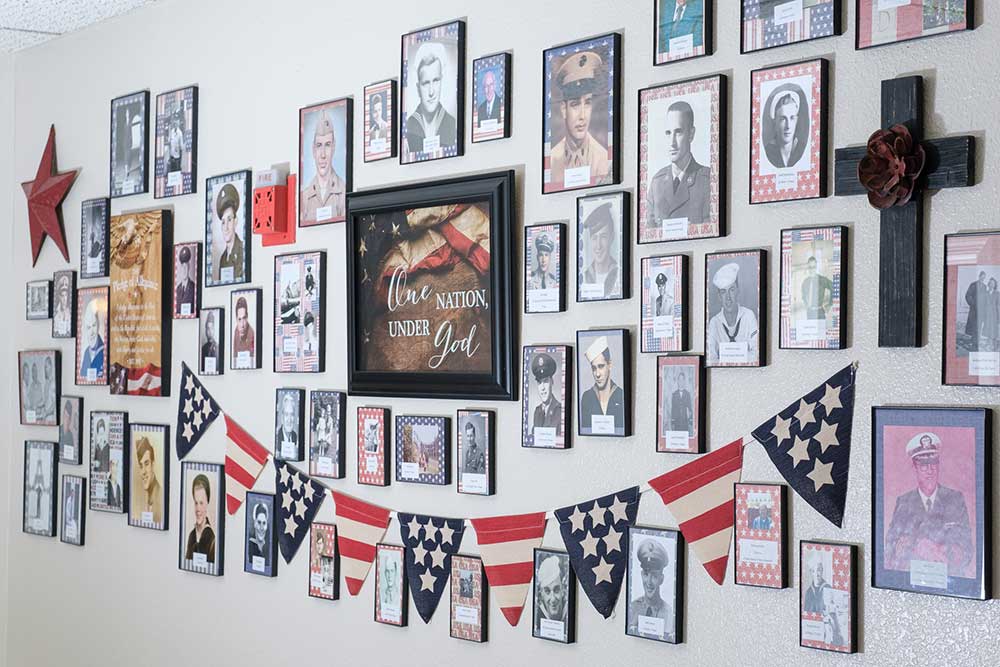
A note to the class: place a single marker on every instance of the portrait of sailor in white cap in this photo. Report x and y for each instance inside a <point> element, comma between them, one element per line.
<point>733,323</point>
<point>604,398</point>
<point>787,117</point>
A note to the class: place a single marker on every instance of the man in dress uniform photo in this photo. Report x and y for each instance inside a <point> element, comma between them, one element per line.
<point>542,276</point>
<point>210,348</point>
<point>244,338</point>
<point>817,292</point>
<point>733,323</point>
<point>227,204</point>
<point>785,148</point>
<point>975,297</point>
<point>552,593</point>
<point>258,540</point>
<point>814,602</point>
<point>681,407</point>
<point>489,109</point>
<point>326,190</point>
<point>603,269</point>
<point>93,354</point>
<point>682,189</point>
<point>604,398</point>
<point>664,304</point>
<point>184,291</point>
<point>431,120</point>
<point>653,560</point>
<point>548,413</point>
<point>475,456</point>
<point>577,81</point>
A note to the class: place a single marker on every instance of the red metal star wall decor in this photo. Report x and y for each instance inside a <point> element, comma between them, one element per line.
<point>45,194</point>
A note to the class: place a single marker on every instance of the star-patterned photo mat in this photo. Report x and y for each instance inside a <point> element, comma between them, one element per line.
<point>469,599</point>
<point>826,631</point>
<point>760,553</point>
<point>421,461</point>
<point>373,467</point>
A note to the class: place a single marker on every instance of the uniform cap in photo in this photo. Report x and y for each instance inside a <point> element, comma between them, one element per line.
<point>787,97</point>
<point>599,218</point>
<point>924,447</point>
<point>597,348</point>
<point>544,244</point>
<point>726,276</point>
<point>578,74</point>
<point>543,366</point>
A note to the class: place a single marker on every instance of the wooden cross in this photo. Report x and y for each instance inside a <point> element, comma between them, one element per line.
<point>950,164</point>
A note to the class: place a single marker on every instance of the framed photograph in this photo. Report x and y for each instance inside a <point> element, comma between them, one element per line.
<point>380,120</point>
<point>374,460</point>
<point>71,430</point>
<point>260,554</point>
<point>736,308</point>
<point>325,138</point>
<point>139,317</point>
<point>130,144</point>
<point>682,160</point>
<point>931,470</point>
<point>547,379</point>
<point>212,322</point>
<point>423,450</point>
<point>300,312</point>
<point>544,259</point>
<point>581,114</point>
<point>788,132</point>
<point>430,284</point>
<point>680,408</point>
<point>202,535</point>
<point>491,77</point>
<point>682,29</point>
<point>767,24</point>
<point>289,423</point>
<point>664,306</point>
<point>602,247</point>
<point>40,469</point>
<point>95,216</point>
<point>244,308</point>
<point>476,452</point>
<point>553,597</point>
<point>149,482</point>
<point>469,599</point>
<point>827,602</point>
<point>327,433</point>
<point>109,460</point>
<point>604,382</point>
<point>64,304</point>
<point>40,387</point>
<point>92,336</point>
<point>187,281</point>
<point>391,600</point>
<point>324,579</point>
<point>971,331</point>
<point>227,229</point>
<point>879,22</point>
<point>176,159</point>
<point>38,300</point>
<point>653,582</point>
<point>432,76</point>
<point>74,514</point>
<point>813,287</point>
<point>761,550</point>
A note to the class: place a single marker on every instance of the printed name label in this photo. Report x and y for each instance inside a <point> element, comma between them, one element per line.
<point>543,300</point>
<point>663,327</point>
<point>650,625</point>
<point>892,4</point>
<point>602,424</point>
<point>577,176</point>
<point>147,517</point>
<point>324,465</point>
<point>257,563</point>
<point>984,363</point>
<point>226,274</point>
<point>200,560</point>
<point>289,345</point>
<point>474,483</point>
<point>467,615</point>
<point>289,450</point>
<point>545,436</point>
<point>489,125</point>
<point>210,364</point>
<point>681,47</point>
<point>734,353</point>
<point>786,180</point>
<point>432,143</point>
<point>591,291</point>
<point>551,629</point>
<point>409,470</point>
<point>377,145</point>
<point>371,463</point>
<point>185,309</point>
<point>324,213</point>
<point>316,580</point>
<point>93,265</point>
<point>788,12</point>
<point>674,228</point>
<point>810,330</point>
<point>91,375</point>
<point>928,574</point>
<point>759,551</point>
<point>677,440</point>
<point>813,631</point>
<point>68,453</point>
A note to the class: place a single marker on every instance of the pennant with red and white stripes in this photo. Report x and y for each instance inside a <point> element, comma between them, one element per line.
<point>245,460</point>
<point>507,544</point>
<point>360,526</point>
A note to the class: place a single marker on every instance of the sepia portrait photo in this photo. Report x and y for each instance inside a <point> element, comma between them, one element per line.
<point>211,341</point>
<point>325,132</point>
<point>245,319</point>
<point>149,464</point>
<point>202,518</point>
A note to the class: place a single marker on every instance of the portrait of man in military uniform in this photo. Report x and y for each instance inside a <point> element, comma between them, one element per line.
<point>600,241</point>
<point>543,264</point>
<point>733,297</point>
<point>681,190</point>
<point>227,229</point>
<point>379,127</point>
<point>245,313</point>
<point>186,268</point>
<point>211,321</point>
<point>652,574</point>
<point>433,94</point>
<point>601,361</point>
<point>786,127</point>
<point>324,162</point>
<point>544,419</point>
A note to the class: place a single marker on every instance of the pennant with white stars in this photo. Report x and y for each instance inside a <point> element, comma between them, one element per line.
<point>196,410</point>
<point>298,499</point>
<point>430,542</point>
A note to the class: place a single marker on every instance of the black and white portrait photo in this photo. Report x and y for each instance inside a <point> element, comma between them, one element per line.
<point>326,433</point>
<point>664,307</point>
<point>38,300</point>
<point>390,586</point>
<point>73,520</point>
<point>39,387</point>
<point>679,408</point>
<point>187,271</point>
<point>553,603</point>
<point>40,466</point>
<point>652,585</point>
<point>244,328</point>
<point>602,247</point>
<point>211,323</point>
<point>543,265</point>
<point>433,77</point>
<point>603,365</point>
<point>176,148</point>
<point>64,304</point>
<point>94,214</point>
<point>475,451</point>
<point>129,144</point>
<point>289,406</point>
<point>785,124</point>
<point>545,378</point>
<point>733,283</point>
<point>70,429</point>
<point>108,461</point>
<point>260,550</point>
<point>380,120</point>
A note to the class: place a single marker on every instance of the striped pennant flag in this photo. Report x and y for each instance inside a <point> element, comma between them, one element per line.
<point>701,498</point>
<point>245,460</point>
<point>507,545</point>
<point>360,526</point>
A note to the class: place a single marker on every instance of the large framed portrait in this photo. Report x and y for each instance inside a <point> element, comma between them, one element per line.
<point>74,511</point>
<point>176,157</point>
<point>604,382</point>
<point>212,341</point>
<point>38,300</point>
<point>827,599</point>
<point>109,460</point>
<point>971,330</point>
<point>653,581</point>
<point>544,259</point>
<point>735,308</point>
<point>71,430</point>
<point>300,312</point>
<point>64,304</point>
<point>245,335</point>
<point>41,466</point>
<point>324,579</point>
<point>813,288</point>
<point>94,224</point>
<point>380,120</point>
<point>553,597</point>
<point>682,160</point>
<point>327,433</point>
<point>325,159</point>
<point>92,336</point>
<point>761,539</point>
<point>423,450</point>
<point>491,76</point>
<point>879,22</point>
<point>39,383</point>
<point>129,144</point>
<point>227,229</point>
<point>680,405</point>
<point>931,495</point>
<point>187,280</point>
<point>788,134</point>
<point>664,306</point>
<point>391,600</point>
<point>289,423</point>
<point>547,379</point>
<point>581,114</point>
<point>374,460</point>
<point>476,452</point>
<point>469,599</point>
<point>260,552</point>
<point>430,289</point>
<point>149,480</point>
<point>766,24</point>
<point>432,78</point>
<point>202,534</point>
<point>602,247</point>
<point>682,29</point>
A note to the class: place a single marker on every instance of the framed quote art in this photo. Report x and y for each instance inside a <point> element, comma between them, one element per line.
<point>491,97</point>
<point>176,156</point>
<point>682,29</point>
<point>373,446</point>
<point>469,599</point>
<point>94,223</point>
<point>149,482</point>
<point>602,247</point>
<point>39,382</point>
<point>827,596</point>
<point>391,599</point>
<point>544,262</point>
<point>813,288</point>
<point>680,405</point>
<point>129,144</point>
<point>92,336</point>
<point>881,22</point>
<point>664,307</point>
<point>64,304</point>
<point>41,465</point>
<point>300,312</point>
<point>653,584</point>
<point>380,120</point>
<point>109,434</point>
<point>245,334</point>
<point>260,554</point>
<point>325,159</point>
<point>553,597</point>
<point>767,24</point>
<point>971,331</point>
<point>604,382</point>
<point>227,229</point>
<point>212,341</point>
<point>38,300</point>
<point>71,430</point>
<point>761,540</point>
<point>202,534</point>
<point>327,433</point>
<point>74,511</point>
<point>423,450</point>
<point>476,451</point>
<point>324,579</point>
<point>547,376</point>
<point>735,308</point>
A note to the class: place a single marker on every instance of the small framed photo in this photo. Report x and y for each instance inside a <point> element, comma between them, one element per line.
<point>681,30</point>
<point>95,215</point>
<point>491,77</point>
<point>476,452</point>
<point>244,308</point>
<point>327,433</point>
<point>300,312</point>
<point>827,601</point>
<point>149,462</point>
<point>260,554</point>
<point>325,159</point>
<point>544,259</point>
<point>289,423</point>
<point>38,300</point>
<point>761,551</point>
<point>187,280</point>
<point>374,460</point>
<point>212,322</point>
<point>971,331</point>
<point>735,307</point>
<point>604,382</point>
<point>324,579</point>
<point>423,450</point>
<point>176,158</point>
<point>773,23</point>
<point>813,288</point>
<point>788,132</point>
<point>130,144</point>
<point>109,460</point>
<point>391,600</point>
<point>879,22</point>
<point>380,120</point>
<point>39,383</point>
<point>931,500</point>
<point>227,229</point>
<point>553,597</point>
<point>581,114</point>
<point>71,430</point>
<point>664,307</point>
<point>654,577</point>
<point>74,511</point>
<point>469,599</point>
<point>64,304</point>
<point>92,336</point>
<point>41,466</point>
<point>547,380</point>
<point>432,79</point>
<point>202,534</point>
<point>680,408</point>
<point>602,247</point>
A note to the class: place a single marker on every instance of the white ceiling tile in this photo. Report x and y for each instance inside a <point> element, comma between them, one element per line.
<point>24,23</point>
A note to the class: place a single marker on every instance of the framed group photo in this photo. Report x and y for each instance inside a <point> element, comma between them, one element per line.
<point>680,405</point>
<point>469,610</point>
<point>735,308</point>
<point>553,597</point>
<point>38,300</point>
<point>325,159</point>
<point>544,262</point>
<point>41,466</point>
<point>129,144</point>
<point>64,304</point>
<point>653,584</point>
<point>766,24</point>
<point>92,336</point>
<point>95,215</point>
<point>187,280</point>
<point>211,341</point>
<point>682,29</point>
<point>245,307</point>
<point>300,312</point>
<point>476,431</point>
<point>828,601</point>
<point>149,482</point>
<point>971,331</point>
<point>374,460</point>
<point>74,510</point>
<point>176,156</point>
<point>324,579</point>
<point>602,247</point>
<point>202,534</point>
<point>813,288</point>
<point>289,423</point>
<point>391,599</point>
<point>39,387</point>
<point>491,76</point>
<point>423,450</point>
<point>380,120</point>
<point>260,555</point>
<point>327,433</point>
<point>761,539</point>
<point>227,229</point>
<point>109,459</point>
<point>664,305</point>
<point>70,430</point>
<point>604,383</point>
<point>878,22</point>
<point>547,378</point>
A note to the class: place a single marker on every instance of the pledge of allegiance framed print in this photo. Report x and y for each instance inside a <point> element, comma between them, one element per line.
<point>430,288</point>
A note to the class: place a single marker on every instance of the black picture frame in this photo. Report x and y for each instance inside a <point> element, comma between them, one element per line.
<point>837,29</point>
<point>70,275</point>
<point>442,427</point>
<point>970,13</point>
<point>133,456</point>
<point>684,338</point>
<point>195,248</point>
<point>569,636</point>
<point>143,185</point>
<point>94,247</point>
<point>240,180</point>
<point>565,364</point>
<point>624,198</point>
<point>853,585</point>
<point>99,297</point>
<point>842,297</point>
<point>65,436</point>
<point>783,538</point>
<point>401,582</point>
<point>504,96</point>
<point>31,484</point>
<point>626,385</point>
<point>282,451</point>
<point>255,358</point>
<point>221,333</point>
<point>347,138</point>
<point>120,418</point>
<point>390,87</point>
<point>29,416</point>
<point>339,441</point>
<point>36,314</point>
<point>328,533</point>
<point>560,252</point>
<point>484,597</point>
<point>218,498</point>
<point>158,189</point>
<point>677,561</point>
<point>761,315</point>
<point>250,563</point>
<point>299,362</point>
<point>708,25</point>
<point>365,474</point>
<point>489,417</point>
<point>80,508</point>
<point>700,409</point>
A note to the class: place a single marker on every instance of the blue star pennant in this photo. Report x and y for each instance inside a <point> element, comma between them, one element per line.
<point>430,543</point>
<point>196,410</point>
<point>299,498</point>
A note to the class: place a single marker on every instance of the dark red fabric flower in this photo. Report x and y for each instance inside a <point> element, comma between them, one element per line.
<point>890,170</point>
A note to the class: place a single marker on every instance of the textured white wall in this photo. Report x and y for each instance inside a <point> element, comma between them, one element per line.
<point>121,598</point>
<point>8,303</point>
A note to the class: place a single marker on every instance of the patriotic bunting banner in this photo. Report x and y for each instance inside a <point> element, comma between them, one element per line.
<point>430,543</point>
<point>245,460</point>
<point>299,497</point>
<point>196,410</point>
<point>360,526</point>
<point>507,544</point>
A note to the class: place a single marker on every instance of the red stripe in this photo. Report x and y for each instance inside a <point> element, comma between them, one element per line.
<point>246,441</point>
<point>508,574</point>
<point>717,568</point>
<point>356,549</point>
<point>512,614</point>
<point>236,471</point>
<point>467,247</point>
<point>709,522</point>
<point>497,529</point>
<point>232,503</point>
<point>354,585</point>
<point>692,476</point>
<point>352,508</point>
